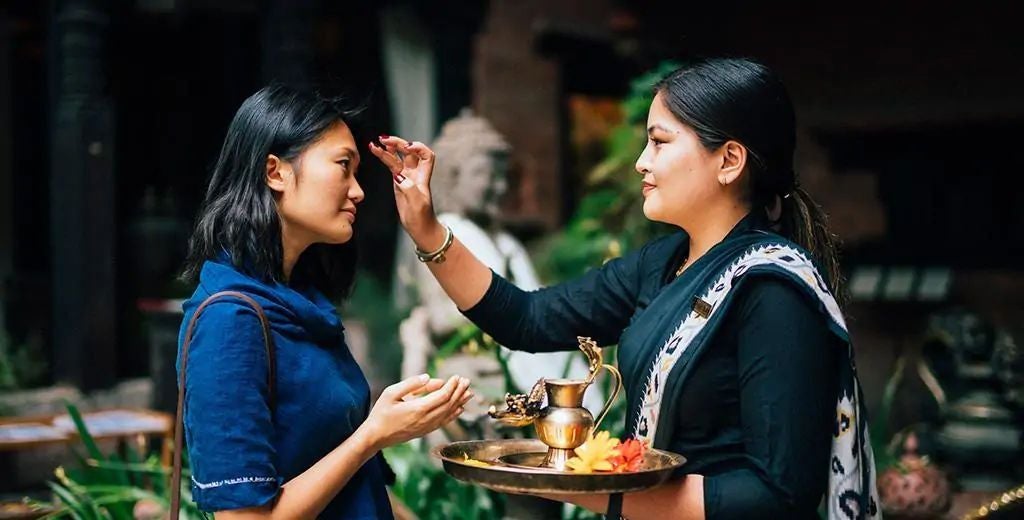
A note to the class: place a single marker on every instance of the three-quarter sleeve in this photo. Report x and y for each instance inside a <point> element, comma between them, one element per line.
<point>599,304</point>
<point>787,376</point>
<point>228,422</point>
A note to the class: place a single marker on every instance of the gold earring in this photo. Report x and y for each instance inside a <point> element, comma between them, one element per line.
<point>722,181</point>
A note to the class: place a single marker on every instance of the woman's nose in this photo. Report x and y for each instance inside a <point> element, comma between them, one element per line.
<point>642,166</point>
<point>643,163</point>
<point>356,192</point>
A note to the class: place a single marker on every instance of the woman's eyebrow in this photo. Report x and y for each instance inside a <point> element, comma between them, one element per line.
<point>659,127</point>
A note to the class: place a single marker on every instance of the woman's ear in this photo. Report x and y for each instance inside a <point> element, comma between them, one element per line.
<point>734,159</point>
<point>278,173</point>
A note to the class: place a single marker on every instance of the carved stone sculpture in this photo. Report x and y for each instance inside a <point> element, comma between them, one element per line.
<point>468,183</point>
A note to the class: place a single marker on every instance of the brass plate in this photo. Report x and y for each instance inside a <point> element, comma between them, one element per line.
<point>506,474</point>
<point>526,460</point>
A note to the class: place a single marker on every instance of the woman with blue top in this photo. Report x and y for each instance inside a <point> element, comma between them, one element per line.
<point>733,349</point>
<point>276,225</point>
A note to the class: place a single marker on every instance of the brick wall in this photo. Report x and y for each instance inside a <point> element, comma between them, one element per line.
<point>520,92</point>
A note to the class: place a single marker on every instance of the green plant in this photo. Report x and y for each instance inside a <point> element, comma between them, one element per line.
<point>609,219</point>
<point>366,304</point>
<point>21,366</point>
<point>108,487</point>
<point>434,495</point>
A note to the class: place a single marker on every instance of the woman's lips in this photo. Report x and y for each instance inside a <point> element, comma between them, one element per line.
<point>350,211</point>
<point>646,188</point>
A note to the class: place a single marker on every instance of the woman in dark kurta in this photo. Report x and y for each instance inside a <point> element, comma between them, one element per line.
<point>732,348</point>
<point>277,225</point>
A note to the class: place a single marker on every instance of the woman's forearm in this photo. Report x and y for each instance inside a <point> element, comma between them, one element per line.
<point>682,499</point>
<point>308,494</point>
<point>462,276</point>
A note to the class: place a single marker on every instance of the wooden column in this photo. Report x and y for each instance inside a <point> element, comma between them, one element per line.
<point>82,233</point>
<point>6,181</point>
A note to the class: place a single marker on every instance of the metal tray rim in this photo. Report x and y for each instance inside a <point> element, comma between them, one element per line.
<point>506,478</point>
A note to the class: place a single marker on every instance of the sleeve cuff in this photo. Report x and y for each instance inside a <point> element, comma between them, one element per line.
<point>489,303</point>
<point>235,493</point>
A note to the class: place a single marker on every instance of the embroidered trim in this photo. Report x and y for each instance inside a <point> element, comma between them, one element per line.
<point>781,255</point>
<point>233,481</point>
<point>851,455</point>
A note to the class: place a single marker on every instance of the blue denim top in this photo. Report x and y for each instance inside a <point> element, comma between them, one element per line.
<point>240,450</point>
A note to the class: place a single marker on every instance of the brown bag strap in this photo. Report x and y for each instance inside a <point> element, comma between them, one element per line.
<point>179,426</point>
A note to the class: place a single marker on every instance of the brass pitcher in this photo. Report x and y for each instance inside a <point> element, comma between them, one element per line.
<point>564,424</point>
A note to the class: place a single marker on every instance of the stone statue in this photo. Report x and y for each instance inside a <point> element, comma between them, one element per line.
<point>468,182</point>
<point>980,435</point>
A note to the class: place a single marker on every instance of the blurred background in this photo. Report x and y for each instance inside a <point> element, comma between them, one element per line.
<point>910,115</point>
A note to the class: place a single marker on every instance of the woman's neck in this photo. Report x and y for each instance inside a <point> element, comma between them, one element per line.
<point>709,233</point>
<point>292,248</point>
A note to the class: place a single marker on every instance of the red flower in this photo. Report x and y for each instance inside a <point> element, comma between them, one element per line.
<point>630,457</point>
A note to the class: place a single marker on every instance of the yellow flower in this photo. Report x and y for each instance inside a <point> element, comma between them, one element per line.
<point>473,462</point>
<point>62,477</point>
<point>593,455</point>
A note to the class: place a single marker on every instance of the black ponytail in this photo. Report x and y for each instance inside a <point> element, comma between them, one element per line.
<point>803,221</point>
<point>741,100</point>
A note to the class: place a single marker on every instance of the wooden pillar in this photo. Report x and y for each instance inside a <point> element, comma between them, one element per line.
<point>82,233</point>
<point>6,181</point>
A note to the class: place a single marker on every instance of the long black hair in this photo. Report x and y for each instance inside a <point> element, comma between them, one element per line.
<point>740,99</point>
<point>238,217</point>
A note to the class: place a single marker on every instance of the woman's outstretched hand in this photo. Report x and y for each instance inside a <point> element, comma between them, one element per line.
<point>411,165</point>
<point>462,276</point>
<point>415,407</point>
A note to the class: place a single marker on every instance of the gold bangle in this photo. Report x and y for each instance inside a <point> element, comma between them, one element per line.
<point>437,256</point>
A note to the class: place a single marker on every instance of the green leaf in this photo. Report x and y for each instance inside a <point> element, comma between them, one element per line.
<point>83,432</point>
<point>118,476</point>
<point>75,507</point>
<point>148,467</point>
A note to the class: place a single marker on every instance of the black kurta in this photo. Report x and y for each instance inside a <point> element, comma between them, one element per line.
<point>756,416</point>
